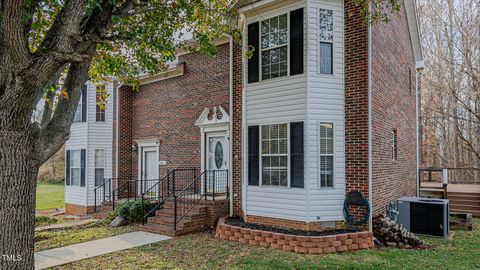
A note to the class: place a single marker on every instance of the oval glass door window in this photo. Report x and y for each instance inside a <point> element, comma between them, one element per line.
<point>218,155</point>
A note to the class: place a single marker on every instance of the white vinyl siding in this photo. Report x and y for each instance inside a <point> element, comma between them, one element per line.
<point>91,135</point>
<point>326,103</point>
<point>275,101</point>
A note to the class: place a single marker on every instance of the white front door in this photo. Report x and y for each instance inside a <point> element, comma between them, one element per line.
<point>217,163</point>
<point>149,173</point>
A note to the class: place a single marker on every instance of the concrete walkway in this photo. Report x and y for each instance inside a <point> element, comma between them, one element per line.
<point>68,254</point>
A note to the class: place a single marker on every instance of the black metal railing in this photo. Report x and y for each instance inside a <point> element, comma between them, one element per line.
<point>166,188</point>
<point>210,183</point>
<point>103,193</point>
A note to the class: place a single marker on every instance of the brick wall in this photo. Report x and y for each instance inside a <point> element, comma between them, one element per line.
<point>167,111</point>
<point>356,100</point>
<point>393,107</point>
<point>296,243</point>
<point>237,131</point>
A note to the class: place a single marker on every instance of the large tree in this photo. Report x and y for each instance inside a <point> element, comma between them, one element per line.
<point>50,48</point>
<point>42,41</point>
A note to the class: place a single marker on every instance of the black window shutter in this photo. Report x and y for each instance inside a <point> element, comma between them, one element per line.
<point>67,168</point>
<point>253,155</point>
<point>84,103</point>
<point>254,61</point>
<point>296,158</point>
<point>296,42</point>
<point>82,173</point>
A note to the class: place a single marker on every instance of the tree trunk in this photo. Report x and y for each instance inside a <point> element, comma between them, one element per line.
<point>18,173</point>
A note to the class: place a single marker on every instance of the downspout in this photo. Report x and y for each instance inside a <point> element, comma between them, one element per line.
<point>230,171</point>
<point>418,74</point>
<point>117,119</point>
<point>370,200</point>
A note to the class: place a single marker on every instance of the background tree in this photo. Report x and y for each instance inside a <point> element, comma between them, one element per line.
<point>450,85</point>
<point>50,48</point>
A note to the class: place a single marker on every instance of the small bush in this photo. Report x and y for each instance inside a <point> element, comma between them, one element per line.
<point>133,210</point>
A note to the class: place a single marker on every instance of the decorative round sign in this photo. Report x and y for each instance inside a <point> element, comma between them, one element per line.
<point>218,154</point>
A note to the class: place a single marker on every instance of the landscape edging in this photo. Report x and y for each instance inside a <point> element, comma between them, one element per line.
<point>296,243</point>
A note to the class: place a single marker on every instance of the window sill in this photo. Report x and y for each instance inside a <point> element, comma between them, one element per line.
<point>278,79</point>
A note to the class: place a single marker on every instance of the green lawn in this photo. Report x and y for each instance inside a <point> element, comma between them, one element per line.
<point>203,251</point>
<point>64,237</point>
<point>50,196</point>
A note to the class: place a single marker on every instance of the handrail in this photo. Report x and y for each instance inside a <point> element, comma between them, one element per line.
<point>163,199</point>
<point>195,197</point>
<point>105,181</point>
<point>170,189</point>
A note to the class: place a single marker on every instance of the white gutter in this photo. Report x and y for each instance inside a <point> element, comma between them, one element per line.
<point>370,199</point>
<point>230,171</point>
<point>117,119</point>
<point>419,68</point>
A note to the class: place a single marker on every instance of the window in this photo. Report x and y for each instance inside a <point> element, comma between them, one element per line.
<point>101,96</point>
<point>81,113</point>
<point>274,152</point>
<point>326,155</point>
<point>75,167</point>
<point>393,142</point>
<point>274,43</point>
<point>99,166</point>
<point>276,46</point>
<point>78,114</point>
<point>326,41</point>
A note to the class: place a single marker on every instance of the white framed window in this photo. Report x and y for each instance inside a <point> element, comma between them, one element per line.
<point>75,167</point>
<point>99,166</point>
<point>325,36</point>
<point>274,47</point>
<point>79,111</point>
<point>100,97</point>
<point>393,144</point>
<point>326,149</point>
<point>274,149</point>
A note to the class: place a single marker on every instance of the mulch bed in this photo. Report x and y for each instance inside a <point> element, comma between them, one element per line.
<point>238,222</point>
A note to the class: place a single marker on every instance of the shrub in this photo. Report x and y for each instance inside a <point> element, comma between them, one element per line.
<point>133,210</point>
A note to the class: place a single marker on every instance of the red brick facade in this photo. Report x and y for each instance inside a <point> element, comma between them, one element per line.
<point>168,109</point>
<point>393,108</point>
<point>237,131</point>
<point>356,100</point>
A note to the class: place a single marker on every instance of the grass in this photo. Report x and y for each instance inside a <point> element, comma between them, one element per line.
<point>203,251</point>
<point>41,221</point>
<point>69,236</point>
<point>50,196</point>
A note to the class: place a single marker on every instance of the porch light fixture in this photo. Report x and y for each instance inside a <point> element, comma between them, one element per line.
<point>134,147</point>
